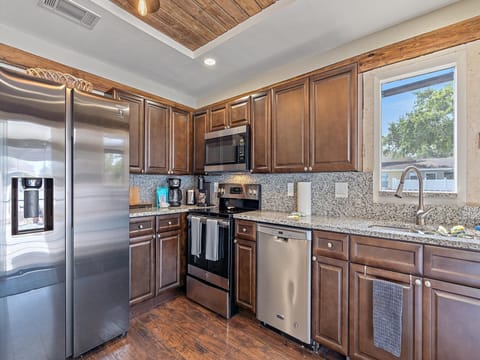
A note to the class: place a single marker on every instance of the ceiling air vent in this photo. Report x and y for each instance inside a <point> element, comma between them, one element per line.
<point>72,11</point>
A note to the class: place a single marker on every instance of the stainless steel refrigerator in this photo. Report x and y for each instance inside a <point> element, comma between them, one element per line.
<point>64,258</point>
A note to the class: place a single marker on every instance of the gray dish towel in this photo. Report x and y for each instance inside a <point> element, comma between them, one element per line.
<point>211,246</point>
<point>387,316</point>
<point>196,236</point>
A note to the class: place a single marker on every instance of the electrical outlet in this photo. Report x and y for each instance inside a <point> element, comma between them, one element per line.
<point>341,190</point>
<point>290,191</point>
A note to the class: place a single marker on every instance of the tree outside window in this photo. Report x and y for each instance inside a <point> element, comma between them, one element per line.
<point>418,128</point>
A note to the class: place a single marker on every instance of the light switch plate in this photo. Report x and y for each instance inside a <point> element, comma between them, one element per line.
<point>290,189</point>
<point>341,190</point>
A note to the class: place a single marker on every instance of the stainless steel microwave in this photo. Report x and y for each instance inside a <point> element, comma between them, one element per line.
<point>228,150</point>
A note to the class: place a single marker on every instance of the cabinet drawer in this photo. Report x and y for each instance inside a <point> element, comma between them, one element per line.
<point>330,244</point>
<point>168,222</point>
<point>246,230</point>
<point>454,265</point>
<point>387,254</point>
<point>142,226</point>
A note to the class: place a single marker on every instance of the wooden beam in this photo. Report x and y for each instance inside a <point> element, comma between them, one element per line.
<point>22,59</point>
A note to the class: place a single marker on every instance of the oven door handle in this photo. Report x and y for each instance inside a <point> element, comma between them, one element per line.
<point>203,220</point>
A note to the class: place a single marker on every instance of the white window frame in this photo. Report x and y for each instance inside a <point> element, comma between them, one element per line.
<point>433,62</point>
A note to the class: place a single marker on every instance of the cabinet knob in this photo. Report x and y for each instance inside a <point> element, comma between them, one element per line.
<point>244,229</point>
<point>169,223</point>
<point>235,241</point>
<point>314,258</point>
<point>143,171</point>
<point>140,226</point>
<point>418,282</point>
<point>329,245</point>
<point>153,237</point>
<point>428,284</point>
<point>310,168</point>
<point>305,168</point>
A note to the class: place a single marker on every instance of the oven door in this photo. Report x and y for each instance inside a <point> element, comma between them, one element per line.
<point>228,150</point>
<point>221,266</point>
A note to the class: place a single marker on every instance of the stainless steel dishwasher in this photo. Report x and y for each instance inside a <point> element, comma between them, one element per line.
<point>283,279</point>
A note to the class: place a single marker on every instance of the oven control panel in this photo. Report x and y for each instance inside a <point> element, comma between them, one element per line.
<point>239,191</point>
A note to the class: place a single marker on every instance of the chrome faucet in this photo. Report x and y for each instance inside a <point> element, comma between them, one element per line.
<point>421,212</point>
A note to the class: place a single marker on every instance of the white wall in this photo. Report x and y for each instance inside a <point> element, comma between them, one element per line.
<point>457,12</point>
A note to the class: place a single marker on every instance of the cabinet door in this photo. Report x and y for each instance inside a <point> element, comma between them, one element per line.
<point>261,133</point>
<point>181,144</point>
<point>239,112</point>
<point>333,120</point>
<point>290,127</point>
<point>245,274</point>
<point>451,320</point>
<point>142,269</point>
<point>137,134</point>
<point>330,303</point>
<point>199,129</point>
<point>218,118</point>
<point>156,135</point>
<point>361,314</point>
<point>168,260</point>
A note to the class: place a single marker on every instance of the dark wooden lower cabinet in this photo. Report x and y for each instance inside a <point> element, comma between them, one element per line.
<point>451,321</point>
<point>361,317</point>
<point>330,303</point>
<point>168,260</point>
<point>245,274</point>
<point>142,269</point>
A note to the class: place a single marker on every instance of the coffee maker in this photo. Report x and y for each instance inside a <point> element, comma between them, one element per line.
<point>174,192</point>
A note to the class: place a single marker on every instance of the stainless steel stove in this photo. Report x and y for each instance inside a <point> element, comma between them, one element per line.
<point>210,256</point>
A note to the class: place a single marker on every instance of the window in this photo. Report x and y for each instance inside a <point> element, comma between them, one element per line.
<point>418,124</point>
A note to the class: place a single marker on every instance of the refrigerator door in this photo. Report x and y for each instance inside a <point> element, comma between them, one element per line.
<point>32,260</point>
<point>100,220</point>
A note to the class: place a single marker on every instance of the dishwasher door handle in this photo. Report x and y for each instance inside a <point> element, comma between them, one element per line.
<point>280,239</point>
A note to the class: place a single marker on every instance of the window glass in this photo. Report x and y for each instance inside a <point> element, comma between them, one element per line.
<point>418,128</point>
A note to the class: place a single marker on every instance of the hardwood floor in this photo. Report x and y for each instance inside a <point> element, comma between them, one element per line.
<point>181,329</point>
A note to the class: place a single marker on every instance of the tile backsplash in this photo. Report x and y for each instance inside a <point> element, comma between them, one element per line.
<point>359,202</point>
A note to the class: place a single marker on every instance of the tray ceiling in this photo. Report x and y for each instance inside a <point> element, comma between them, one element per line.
<point>194,23</point>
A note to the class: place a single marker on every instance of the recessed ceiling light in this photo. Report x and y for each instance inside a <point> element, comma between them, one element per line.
<point>209,61</point>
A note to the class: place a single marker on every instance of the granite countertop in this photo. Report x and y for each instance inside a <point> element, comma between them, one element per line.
<point>152,211</point>
<point>358,226</point>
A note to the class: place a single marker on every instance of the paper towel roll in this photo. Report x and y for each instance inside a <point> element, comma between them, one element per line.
<point>304,198</point>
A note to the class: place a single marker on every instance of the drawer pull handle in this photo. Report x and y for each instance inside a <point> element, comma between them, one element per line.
<point>140,226</point>
<point>329,245</point>
<point>428,284</point>
<point>314,258</point>
<point>169,223</point>
<point>418,282</point>
<point>244,229</point>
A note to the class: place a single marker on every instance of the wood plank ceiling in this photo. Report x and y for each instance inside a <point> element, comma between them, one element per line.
<point>194,23</point>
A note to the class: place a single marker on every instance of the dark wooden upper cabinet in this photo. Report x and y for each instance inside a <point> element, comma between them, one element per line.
<point>239,112</point>
<point>156,138</point>
<point>333,120</point>
<point>200,125</point>
<point>180,142</point>
<point>261,133</point>
<point>218,118</point>
<point>137,133</point>
<point>451,318</point>
<point>290,131</point>
<point>361,314</point>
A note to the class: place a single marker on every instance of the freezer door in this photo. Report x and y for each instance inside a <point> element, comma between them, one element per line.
<point>32,255</point>
<point>100,220</point>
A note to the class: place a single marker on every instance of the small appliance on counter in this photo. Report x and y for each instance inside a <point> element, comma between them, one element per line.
<point>190,197</point>
<point>174,192</point>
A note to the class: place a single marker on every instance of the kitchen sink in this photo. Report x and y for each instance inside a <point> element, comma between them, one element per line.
<point>415,229</point>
